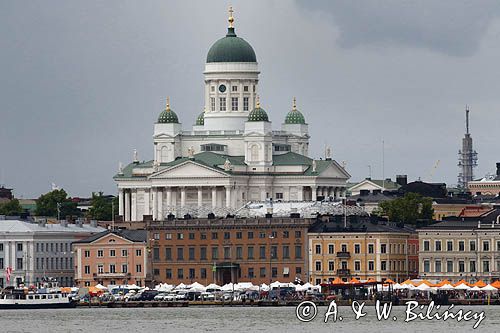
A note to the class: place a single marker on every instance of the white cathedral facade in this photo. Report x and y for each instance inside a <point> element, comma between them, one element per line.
<point>231,156</point>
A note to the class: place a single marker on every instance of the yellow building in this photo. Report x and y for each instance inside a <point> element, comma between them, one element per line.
<point>365,250</point>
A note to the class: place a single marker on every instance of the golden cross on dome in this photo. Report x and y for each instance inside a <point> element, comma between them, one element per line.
<point>168,104</point>
<point>231,18</point>
<point>257,103</point>
<point>294,107</point>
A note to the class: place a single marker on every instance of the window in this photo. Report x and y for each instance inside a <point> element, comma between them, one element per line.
<point>191,235</point>
<point>191,273</point>
<point>262,272</point>
<point>168,273</point>
<point>461,266</point>
<point>191,253</point>
<point>437,266</point>
<point>212,88</point>
<point>180,253</point>
<point>357,248</point>
<point>298,270</point>
<point>286,252</point>
<point>298,252</point>
<point>87,269</point>
<point>298,234</point>
<point>227,252</point>
<point>383,248</point>
<point>100,253</point>
<point>180,273</point>
<point>1,247</point>
<point>331,265</point>
<point>203,253</point>
<point>112,268</point>
<point>156,253</point>
<point>331,249</point>
<point>215,253</point>
<point>274,272</point>
<point>262,252</point>
<point>383,265</point>
<point>245,103</point>
<point>357,265</point>
<point>124,253</point>
<point>472,266</point>
<point>274,252</point>
<point>472,245</point>
<point>245,88</point>
<point>234,103</point>
<point>180,235</point>
<point>449,246</point>
<point>138,268</point>
<point>426,266</point>
<point>486,266</point>
<point>461,246</point>
<point>168,253</point>
<point>371,265</point>
<point>262,235</point>
<point>498,246</point>
<point>449,266</point>
<point>251,273</point>
<point>112,253</point>
<point>437,246</point>
<point>87,254</point>
<point>214,235</point>
<point>203,273</point>
<point>222,104</point>
<point>371,248</point>
<point>124,268</point>
<point>212,103</point>
<point>239,235</point>
<point>486,245</point>
<point>274,234</point>
<point>279,195</point>
<point>138,253</point>
<point>250,235</point>
<point>250,252</point>
<point>203,235</point>
<point>168,236</point>
<point>20,246</point>
<point>318,265</point>
<point>234,88</point>
<point>156,236</point>
<point>239,252</point>
<point>227,235</point>
<point>318,249</point>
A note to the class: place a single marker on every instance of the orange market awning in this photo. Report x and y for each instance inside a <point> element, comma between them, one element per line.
<point>496,284</point>
<point>338,281</point>
<point>479,284</point>
<point>371,280</point>
<point>390,281</point>
<point>442,283</point>
<point>354,281</point>
<point>429,283</point>
<point>460,282</point>
<point>66,290</point>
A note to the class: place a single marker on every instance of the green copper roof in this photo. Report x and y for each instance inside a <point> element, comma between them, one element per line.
<point>168,116</point>
<point>200,121</point>
<point>258,114</point>
<point>295,117</point>
<point>231,49</point>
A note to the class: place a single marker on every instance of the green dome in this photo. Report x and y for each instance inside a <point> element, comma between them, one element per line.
<point>200,121</point>
<point>231,49</point>
<point>295,117</point>
<point>258,114</point>
<point>168,116</point>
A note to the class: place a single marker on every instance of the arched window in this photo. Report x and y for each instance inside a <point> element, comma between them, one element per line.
<point>254,152</point>
<point>164,153</point>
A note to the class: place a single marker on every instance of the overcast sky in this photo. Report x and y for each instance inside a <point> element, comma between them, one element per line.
<point>83,82</point>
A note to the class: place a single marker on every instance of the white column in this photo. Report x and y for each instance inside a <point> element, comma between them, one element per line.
<point>120,202</point>
<point>314,193</point>
<point>214,197</point>
<point>183,196</point>
<point>300,193</point>
<point>160,204</point>
<point>134,205</point>
<point>263,194</point>
<point>240,101</point>
<point>200,196</point>
<point>155,203</point>
<point>169,197</point>
<point>228,196</point>
<point>147,210</point>
<point>127,206</point>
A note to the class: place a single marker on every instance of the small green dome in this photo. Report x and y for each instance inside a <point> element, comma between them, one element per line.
<point>258,114</point>
<point>231,49</point>
<point>200,121</point>
<point>295,116</point>
<point>168,116</point>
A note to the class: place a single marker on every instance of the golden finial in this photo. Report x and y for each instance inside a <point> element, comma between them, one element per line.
<point>294,107</point>
<point>231,18</point>
<point>167,108</point>
<point>257,103</point>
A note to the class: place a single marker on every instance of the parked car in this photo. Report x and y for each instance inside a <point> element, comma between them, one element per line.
<point>148,295</point>
<point>160,297</point>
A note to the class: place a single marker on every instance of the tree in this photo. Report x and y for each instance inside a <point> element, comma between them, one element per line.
<point>102,207</point>
<point>11,208</point>
<point>46,205</point>
<point>408,209</point>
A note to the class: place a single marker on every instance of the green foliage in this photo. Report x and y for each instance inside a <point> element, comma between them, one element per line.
<point>11,208</point>
<point>408,209</point>
<point>102,207</point>
<point>46,205</point>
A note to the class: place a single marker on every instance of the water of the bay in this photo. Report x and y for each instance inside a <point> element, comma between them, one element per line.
<point>229,319</point>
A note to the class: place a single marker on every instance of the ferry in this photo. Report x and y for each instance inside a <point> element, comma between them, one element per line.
<point>48,297</point>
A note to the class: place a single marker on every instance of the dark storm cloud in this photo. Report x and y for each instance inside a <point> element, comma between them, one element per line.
<point>453,27</point>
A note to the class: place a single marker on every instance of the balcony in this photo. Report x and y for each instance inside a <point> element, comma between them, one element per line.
<point>107,275</point>
<point>343,272</point>
<point>344,254</point>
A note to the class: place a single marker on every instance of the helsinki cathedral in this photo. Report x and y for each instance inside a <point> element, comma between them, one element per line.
<point>231,156</point>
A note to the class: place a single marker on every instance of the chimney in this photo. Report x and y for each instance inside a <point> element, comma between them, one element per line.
<point>498,168</point>
<point>402,180</point>
<point>93,223</point>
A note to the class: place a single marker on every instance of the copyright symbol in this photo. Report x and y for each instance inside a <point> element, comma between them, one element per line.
<point>306,311</point>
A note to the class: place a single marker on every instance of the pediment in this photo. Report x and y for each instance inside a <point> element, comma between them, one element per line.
<point>334,171</point>
<point>189,169</point>
<point>111,239</point>
<point>163,136</point>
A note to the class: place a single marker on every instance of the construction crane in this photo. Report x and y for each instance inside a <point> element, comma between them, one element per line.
<point>433,170</point>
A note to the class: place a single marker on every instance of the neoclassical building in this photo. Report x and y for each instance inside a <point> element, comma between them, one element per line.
<point>231,155</point>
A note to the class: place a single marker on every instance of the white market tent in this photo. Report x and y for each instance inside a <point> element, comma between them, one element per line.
<point>462,286</point>
<point>446,287</point>
<point>489,288</point>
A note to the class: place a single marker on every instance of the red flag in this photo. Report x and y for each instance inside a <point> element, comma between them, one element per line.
<point>8,271</point>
